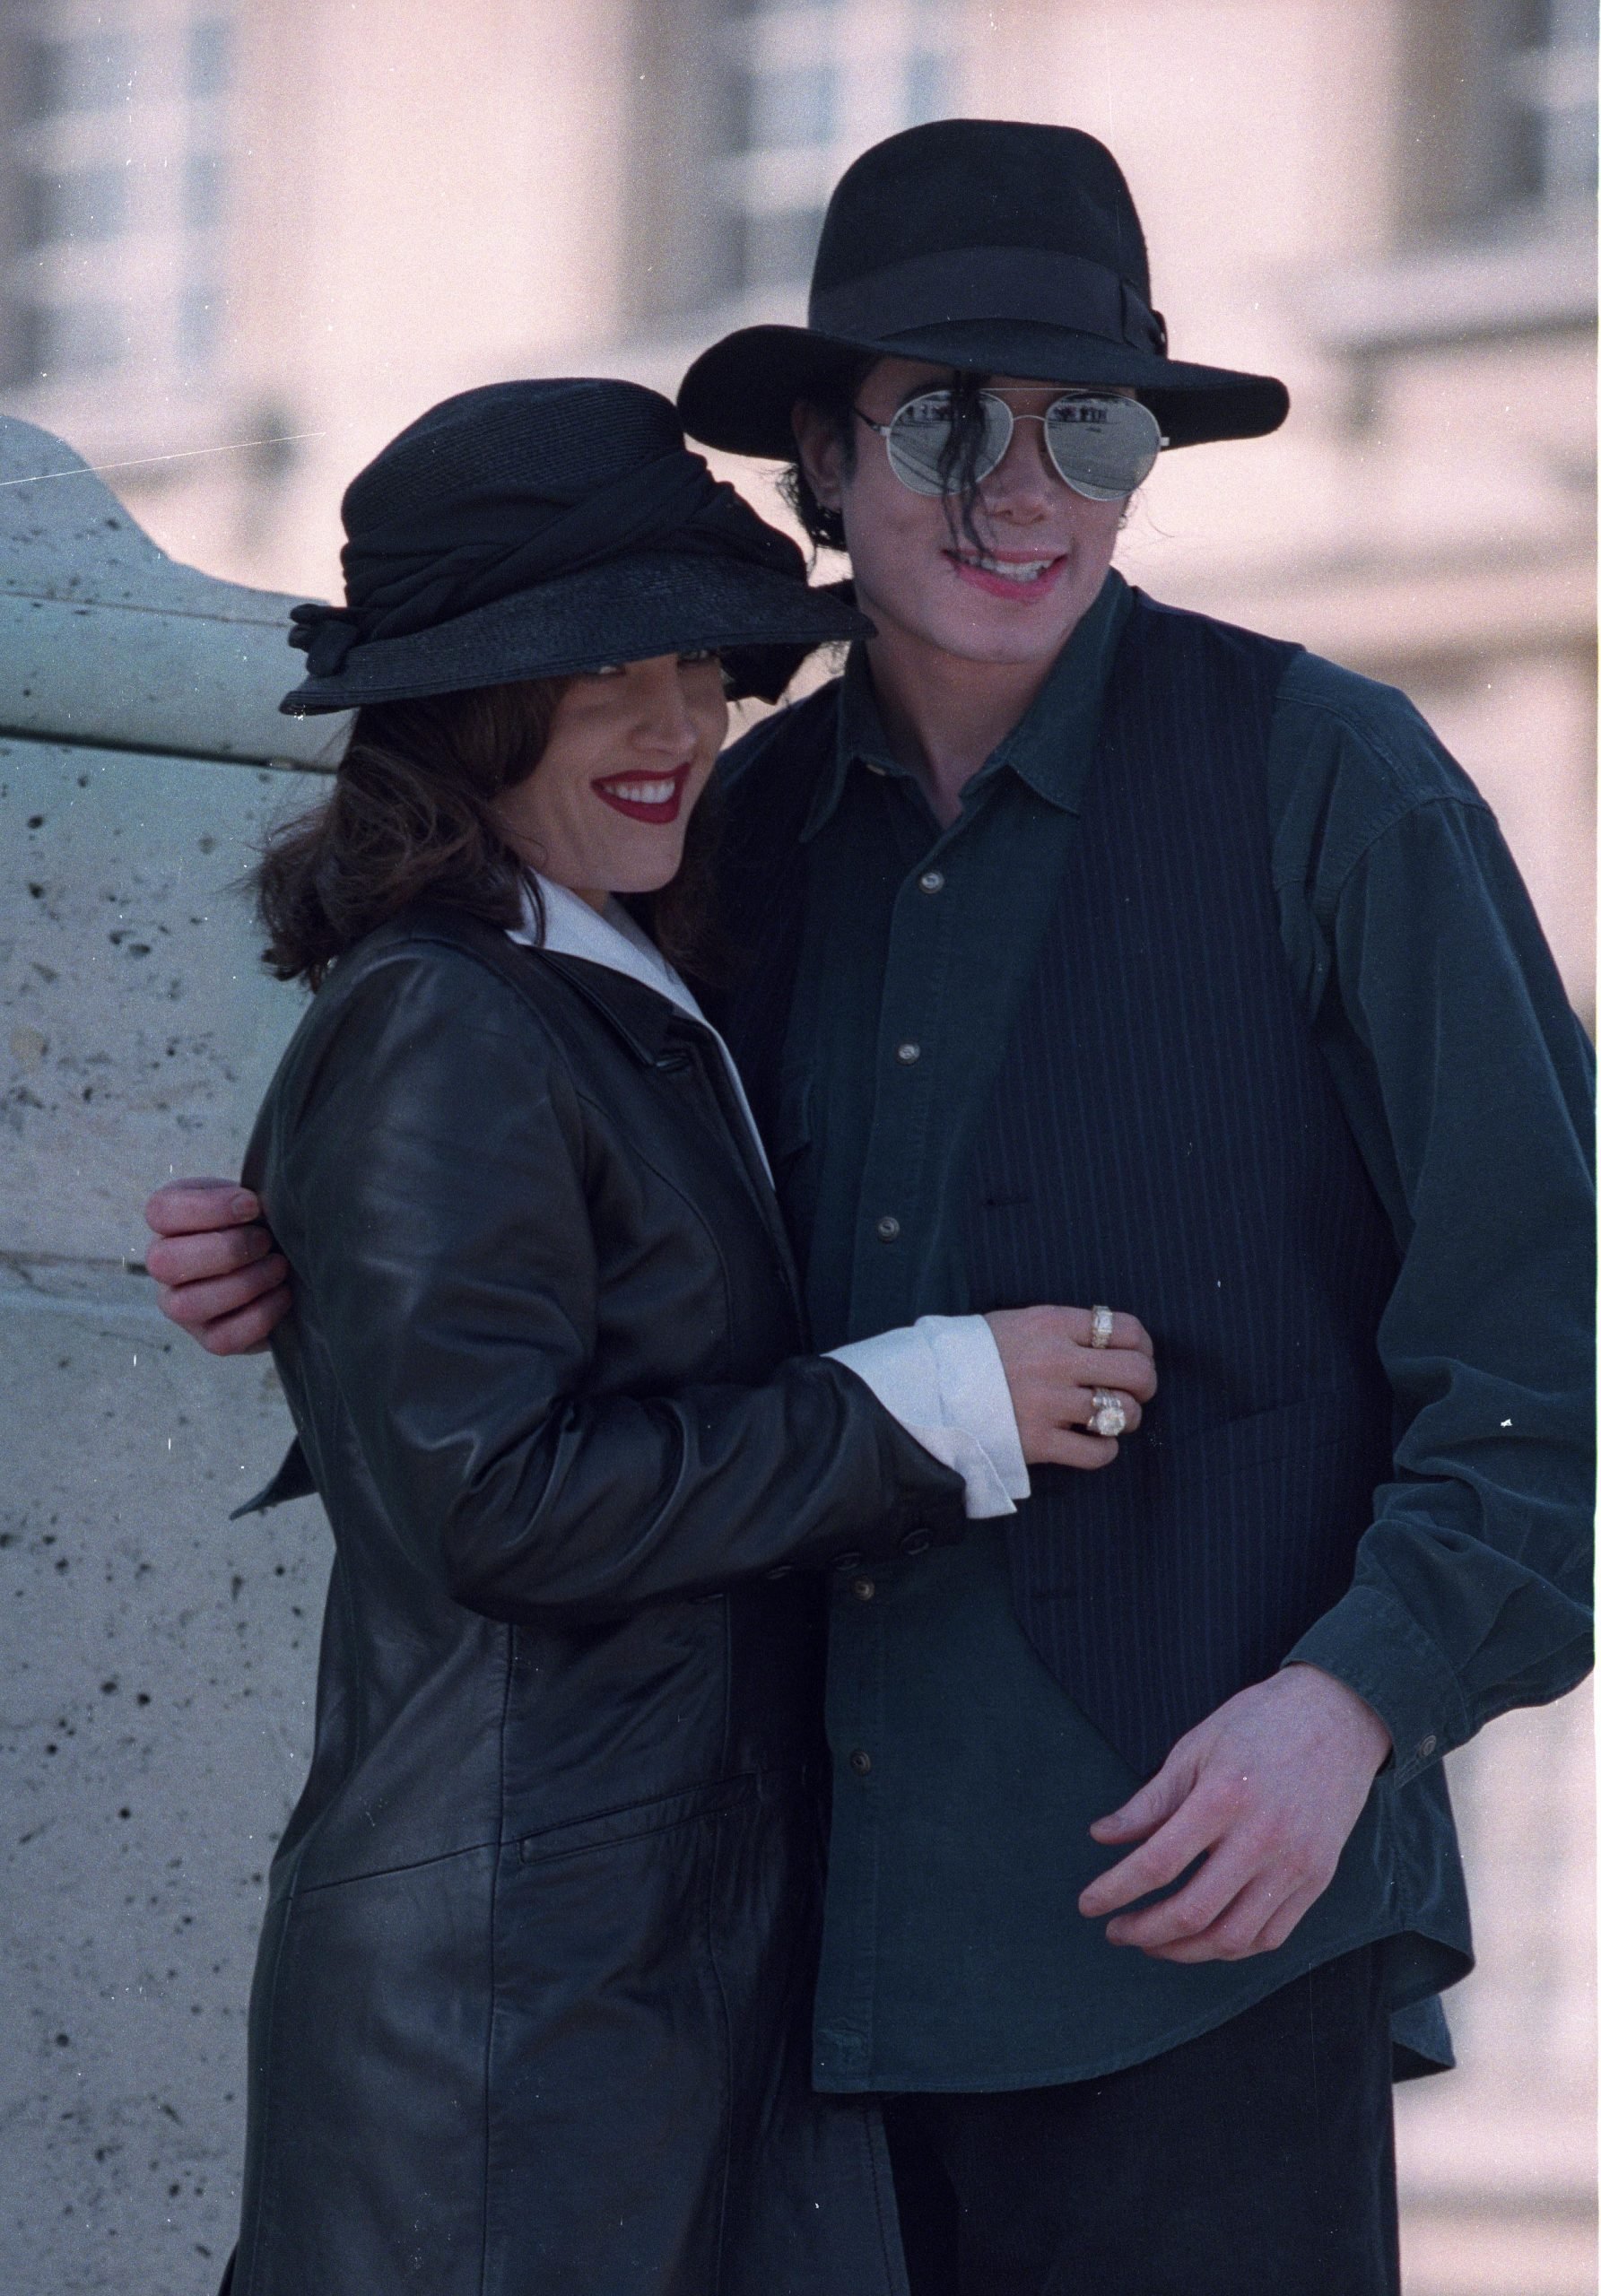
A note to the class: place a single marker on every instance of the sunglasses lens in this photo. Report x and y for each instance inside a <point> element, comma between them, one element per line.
<point>920,438</point>
<point>1103,448</point>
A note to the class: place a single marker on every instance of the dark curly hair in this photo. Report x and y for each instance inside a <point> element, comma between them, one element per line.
<point>833,399</point>
<point>411,817</point>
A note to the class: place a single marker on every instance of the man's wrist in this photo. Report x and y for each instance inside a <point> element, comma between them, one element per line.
<point>1368,1723</point>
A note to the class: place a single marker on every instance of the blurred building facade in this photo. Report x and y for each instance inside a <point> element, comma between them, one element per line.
<point>243,241</point>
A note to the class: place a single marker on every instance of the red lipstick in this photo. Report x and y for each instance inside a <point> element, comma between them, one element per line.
<point>642,796</point>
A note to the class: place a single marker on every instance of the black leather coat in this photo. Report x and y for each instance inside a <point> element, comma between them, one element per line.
<point>531,2010</point>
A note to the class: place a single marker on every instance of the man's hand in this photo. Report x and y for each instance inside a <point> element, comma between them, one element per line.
<point>1267,1788</point>
<point>217,1273</point>
<point>1053,1372</point>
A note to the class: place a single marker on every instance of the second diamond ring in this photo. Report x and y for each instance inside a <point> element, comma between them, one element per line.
<point>1107,1414</point>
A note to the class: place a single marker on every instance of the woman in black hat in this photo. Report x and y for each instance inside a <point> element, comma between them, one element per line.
<point>532,2004</point>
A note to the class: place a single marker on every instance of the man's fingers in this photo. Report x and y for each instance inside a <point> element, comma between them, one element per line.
<point>185,1207</point>
<point>1258,1921</point>
<point>184,1259</point>
<point>1155,1802</point>
<point>1205,1899</point>
<point>247,1332</point>
<point>198,1306</point>
<point>1156,1862</point>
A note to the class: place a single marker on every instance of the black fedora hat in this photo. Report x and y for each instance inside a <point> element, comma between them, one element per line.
<point>997,246</point>
<point>535,529</point>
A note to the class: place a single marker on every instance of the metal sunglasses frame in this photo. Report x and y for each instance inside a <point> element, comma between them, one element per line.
<point>989,399</point>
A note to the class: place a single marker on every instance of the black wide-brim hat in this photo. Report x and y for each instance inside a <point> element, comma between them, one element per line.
<point>1000,246</point>
<point>537,529</point>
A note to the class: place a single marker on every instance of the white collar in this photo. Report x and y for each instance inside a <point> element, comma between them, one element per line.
<point>610,937</point>
<point>614,939</point>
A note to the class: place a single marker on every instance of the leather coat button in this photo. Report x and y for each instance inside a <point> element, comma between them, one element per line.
<point>916,1542</point>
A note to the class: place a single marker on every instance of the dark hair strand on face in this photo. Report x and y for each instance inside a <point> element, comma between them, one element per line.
<point>833,399</point>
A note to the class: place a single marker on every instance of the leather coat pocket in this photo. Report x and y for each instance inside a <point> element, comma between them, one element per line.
<point>634,1820</point>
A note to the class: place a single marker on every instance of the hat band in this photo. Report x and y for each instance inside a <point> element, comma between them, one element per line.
<point>1042,286</point>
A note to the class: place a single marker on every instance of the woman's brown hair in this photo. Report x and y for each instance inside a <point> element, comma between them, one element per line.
<point>411,816</point>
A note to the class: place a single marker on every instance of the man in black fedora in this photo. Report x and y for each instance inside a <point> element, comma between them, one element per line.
<point>1102,953</point>
<point>1096,953</point>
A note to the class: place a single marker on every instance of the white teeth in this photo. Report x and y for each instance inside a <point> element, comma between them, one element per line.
<point>1015,570</point>
<point>643,793</point>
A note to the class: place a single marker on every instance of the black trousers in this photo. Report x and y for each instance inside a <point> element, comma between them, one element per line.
<point>1258,2160</point>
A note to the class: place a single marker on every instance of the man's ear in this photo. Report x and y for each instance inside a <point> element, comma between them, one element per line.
<point>820,452</point>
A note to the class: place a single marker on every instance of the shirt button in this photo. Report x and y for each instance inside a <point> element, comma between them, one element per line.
<point>863,1589</point>
<point>933,880</point>
<point>861,1763</point>
<point>907,1053</point>
<point>888,1228</point>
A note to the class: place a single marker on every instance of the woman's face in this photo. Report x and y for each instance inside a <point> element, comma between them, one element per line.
<point>630,749</point>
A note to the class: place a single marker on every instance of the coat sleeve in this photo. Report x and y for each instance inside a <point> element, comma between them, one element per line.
<point>1468,1080</point>
<point>435,1208</point>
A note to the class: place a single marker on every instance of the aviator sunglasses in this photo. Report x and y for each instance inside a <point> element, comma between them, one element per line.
<point>1101,448</point>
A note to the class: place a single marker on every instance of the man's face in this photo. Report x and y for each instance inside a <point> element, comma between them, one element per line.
<point>1045,549</point>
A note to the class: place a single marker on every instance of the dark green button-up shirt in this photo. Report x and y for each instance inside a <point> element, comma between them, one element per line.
<point>965,1778</point>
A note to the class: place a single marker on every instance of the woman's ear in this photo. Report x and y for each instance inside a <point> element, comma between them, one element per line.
<point>820,452</point>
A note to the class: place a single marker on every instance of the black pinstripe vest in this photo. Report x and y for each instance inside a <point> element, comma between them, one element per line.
<point>1163,1135</point>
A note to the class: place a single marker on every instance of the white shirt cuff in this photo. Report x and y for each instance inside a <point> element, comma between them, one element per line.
<point>942,1378</point>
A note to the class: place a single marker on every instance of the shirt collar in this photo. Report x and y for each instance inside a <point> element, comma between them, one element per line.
<point>1051,745</point>
<point>614,939</point>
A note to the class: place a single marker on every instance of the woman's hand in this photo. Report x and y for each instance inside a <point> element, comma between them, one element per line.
<point>1053,1373</point>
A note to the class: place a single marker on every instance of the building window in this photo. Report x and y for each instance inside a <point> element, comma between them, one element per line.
<point>113,178</point>
<point>1551,68</point>
<point>1500,136</point>
<point>818,82</point>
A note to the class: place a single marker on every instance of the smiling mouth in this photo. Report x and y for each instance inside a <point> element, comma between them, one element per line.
<point>1007,577</point>
<point>644,796</point>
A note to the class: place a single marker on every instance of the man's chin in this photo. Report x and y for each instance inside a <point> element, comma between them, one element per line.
<point>997,639</point>
<point>1000,640</point>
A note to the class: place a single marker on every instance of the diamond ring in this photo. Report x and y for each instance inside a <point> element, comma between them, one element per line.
<point>1100,1326</point>
<point>1107,1414</point>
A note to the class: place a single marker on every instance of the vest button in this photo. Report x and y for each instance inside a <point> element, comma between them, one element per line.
<point>916,1541</point>
<point>933,880</point>
<point>861,1763</point>
<point>907,1053</point>
<point>888,1228</point>
<point>863,1589</point>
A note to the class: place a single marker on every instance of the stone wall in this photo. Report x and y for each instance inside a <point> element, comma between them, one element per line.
<point>157,1660</point>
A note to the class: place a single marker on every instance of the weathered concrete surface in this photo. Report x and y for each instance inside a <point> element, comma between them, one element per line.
<point>105,638</point>
<point>156,1661</point>
<point>138,1026</point>
<point>157,1669</point>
